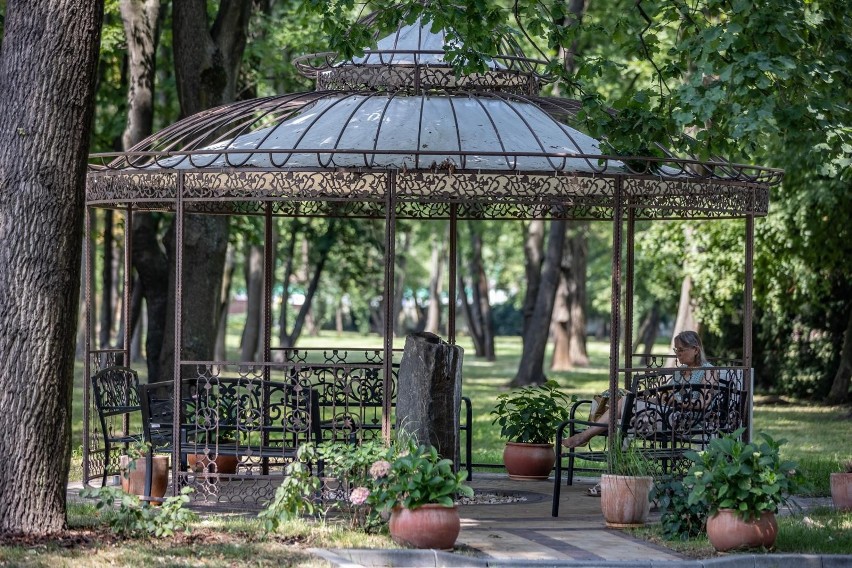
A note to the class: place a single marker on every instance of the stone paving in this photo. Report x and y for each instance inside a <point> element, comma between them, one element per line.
<point>526,531</point>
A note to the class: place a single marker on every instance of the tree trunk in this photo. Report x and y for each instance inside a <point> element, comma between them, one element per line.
<point>140,19</point>
<point>283,335</point>
<point>47,76</point>
<point>839,393</point>
<point>531,366</point>
<point>647,334</point>
<point>105,330</point>
<point>399,284</point>
<point>685,309</point>
<point>433,318</point>
<point>324,245</point>
<point>577,298</point>
<point>152,266</point>
<point>207,63</point>
<point>533,257</point>
<point>253,271</point>
<point>481,303</point>
<point>221,352</point>
<point>569,312</point>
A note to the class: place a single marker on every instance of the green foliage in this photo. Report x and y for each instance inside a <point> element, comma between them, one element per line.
<point>749,478</point>
<point>416,477</point>
<point>296,494</point>
<point>679,520</point>
<point>350,465</point>
<point>626,459</point>
<point>532,414</point>
<point>127,516</point>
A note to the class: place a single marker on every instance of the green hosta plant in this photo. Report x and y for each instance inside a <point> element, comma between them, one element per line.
<point>415,478</point>
<point>750,477</point>
<point>532,414</point>
<point>127,515</point>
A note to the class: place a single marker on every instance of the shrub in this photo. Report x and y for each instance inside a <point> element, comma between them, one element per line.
<point>747,477</point>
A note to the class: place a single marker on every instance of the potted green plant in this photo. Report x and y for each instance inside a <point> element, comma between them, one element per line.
<point>418,488</point>
<point>841,487</point>
<point>742,484</point>
<point>528,418</point>
<point>132,467</point>
<point>625,489</point>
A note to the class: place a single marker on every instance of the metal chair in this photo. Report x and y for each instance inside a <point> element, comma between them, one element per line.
<point>116,393</point>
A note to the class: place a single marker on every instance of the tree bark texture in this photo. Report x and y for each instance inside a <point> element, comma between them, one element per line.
<point>324,245</point>
<point>478,310</point>
<point>152,266</point>
<point>839,392</point>
<point>429,393</point>
<point>141,30</point>
<point>647,334</point>
<point>221,351</point>
<point>399,284</point>
<point>107,282</point>
<point>533,257</point>
<point>531,366</point>
<point>433,318</point>
<point>569,310</point>
<point>47,77</point>
<point>207,63</point>
<point>253,270</point>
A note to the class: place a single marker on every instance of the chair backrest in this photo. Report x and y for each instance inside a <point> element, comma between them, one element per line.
<point>157,412</point>
<point>116,391</point>
<point>688,415</point>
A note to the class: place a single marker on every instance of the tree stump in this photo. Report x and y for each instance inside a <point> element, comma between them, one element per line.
<point>429,393</point>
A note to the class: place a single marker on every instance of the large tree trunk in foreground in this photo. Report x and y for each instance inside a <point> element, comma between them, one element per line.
<point>531,366</point>
<point>47,77</point>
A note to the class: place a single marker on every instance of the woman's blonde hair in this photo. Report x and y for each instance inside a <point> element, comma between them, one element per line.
<point>690,338</point>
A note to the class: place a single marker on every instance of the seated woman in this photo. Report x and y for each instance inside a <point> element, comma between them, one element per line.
<point>692,371</point>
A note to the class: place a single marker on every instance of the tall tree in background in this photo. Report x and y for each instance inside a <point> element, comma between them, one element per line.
<point>48,63</point>
<point>207,64</point>
<point>141,29</point>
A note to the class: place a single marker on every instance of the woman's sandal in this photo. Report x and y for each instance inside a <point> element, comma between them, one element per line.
<point>594,491</point>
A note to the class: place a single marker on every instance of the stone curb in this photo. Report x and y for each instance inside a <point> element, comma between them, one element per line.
<point>363,558</point>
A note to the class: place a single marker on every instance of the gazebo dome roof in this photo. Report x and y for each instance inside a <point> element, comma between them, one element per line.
<point>400,108</point>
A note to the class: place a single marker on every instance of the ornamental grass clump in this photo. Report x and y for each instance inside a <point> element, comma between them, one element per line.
<point>750,478</point>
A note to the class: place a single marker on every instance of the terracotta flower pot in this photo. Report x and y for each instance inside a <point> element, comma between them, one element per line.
<point>624,500</point>
<point>429,526</point>
<point>133,480</point>
<point>728,531</point>
<point>220,464</point>
<point>841,491</point>
<point>528,461</point>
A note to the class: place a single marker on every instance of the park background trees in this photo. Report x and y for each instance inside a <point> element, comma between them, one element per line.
<point>758,82</point>
<point>752,82</point>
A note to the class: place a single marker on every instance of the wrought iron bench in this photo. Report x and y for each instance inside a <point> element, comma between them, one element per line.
<point>264,422</point>
<point>116,394</point>
<point>662,420</point>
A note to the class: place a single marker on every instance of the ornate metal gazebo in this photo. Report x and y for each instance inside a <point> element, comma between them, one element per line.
<point>393,135</point>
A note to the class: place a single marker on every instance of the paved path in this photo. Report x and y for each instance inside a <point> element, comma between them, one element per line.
<point>526,531</point>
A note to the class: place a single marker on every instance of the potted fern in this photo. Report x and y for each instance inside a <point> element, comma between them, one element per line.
<point>528,418</point>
